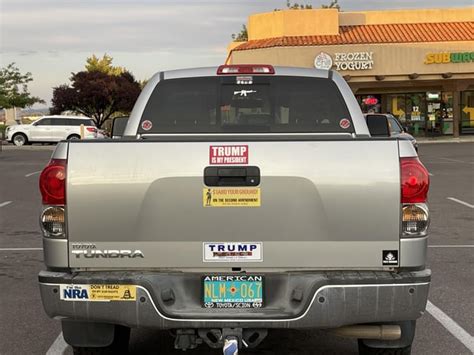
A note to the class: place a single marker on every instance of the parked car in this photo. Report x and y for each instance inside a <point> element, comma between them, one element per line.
<point>102,134</point>
<point>118,127</point>
<point>244,198</point>
<point>51,129</point>
<point>397,130</point>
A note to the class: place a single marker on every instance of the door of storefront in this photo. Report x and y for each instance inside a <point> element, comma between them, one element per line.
<point>423,113</point>
<point>410,110</point>
<point>467,112</point>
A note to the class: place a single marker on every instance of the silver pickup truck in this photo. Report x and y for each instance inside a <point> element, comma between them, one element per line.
<point>241,199</point>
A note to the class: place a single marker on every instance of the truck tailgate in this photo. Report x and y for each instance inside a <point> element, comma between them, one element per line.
<point>323,204</point>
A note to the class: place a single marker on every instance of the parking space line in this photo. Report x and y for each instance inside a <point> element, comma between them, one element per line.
<point>453,160</point>
<point>33,173</point>
<point>451,326</point>
<point>452,246</point>
<point>461,202</point>
<point>20,249</point>
<point>3,204</point>
<point>59,346</point>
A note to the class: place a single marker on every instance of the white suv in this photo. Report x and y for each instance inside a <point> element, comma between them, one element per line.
<point>52,129</point>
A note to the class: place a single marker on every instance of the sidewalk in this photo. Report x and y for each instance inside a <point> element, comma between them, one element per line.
<point>462,139</point>
<point>5,147</point>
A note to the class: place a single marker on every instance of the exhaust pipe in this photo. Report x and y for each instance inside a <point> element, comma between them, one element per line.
<point>379,332</point>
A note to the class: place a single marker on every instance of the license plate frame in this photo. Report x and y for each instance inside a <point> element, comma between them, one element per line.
<point>249,291</point>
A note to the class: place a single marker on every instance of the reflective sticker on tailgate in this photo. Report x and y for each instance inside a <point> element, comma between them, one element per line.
<point>231,197</point>
<point>229,154</point>
<point>98,293</point>
<point>232,252</point>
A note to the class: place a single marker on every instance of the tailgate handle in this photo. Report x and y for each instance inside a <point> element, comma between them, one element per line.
<point>232,176</point>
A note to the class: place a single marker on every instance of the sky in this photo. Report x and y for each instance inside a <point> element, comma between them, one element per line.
<point>52,38</point>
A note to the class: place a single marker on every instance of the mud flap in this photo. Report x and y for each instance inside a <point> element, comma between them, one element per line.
<point>85,334</point>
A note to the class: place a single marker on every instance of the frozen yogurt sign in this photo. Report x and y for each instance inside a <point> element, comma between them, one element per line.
<point>345,61</point>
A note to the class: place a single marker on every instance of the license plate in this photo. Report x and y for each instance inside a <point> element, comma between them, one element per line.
<point>233,291</point>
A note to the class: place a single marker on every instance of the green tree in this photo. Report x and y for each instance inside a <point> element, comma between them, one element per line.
<point>103,65</point>
<point>14,88</point>
<point>332,5</point>
<point>242,36</point>
<point>97,95</point>
<point>296,6</point>
<point>143,83</point>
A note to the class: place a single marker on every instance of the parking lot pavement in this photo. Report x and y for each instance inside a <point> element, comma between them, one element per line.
<point>448,329</point>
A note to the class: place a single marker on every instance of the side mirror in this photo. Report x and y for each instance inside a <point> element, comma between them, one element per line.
<point>118,127</point>
<point>378,125</point>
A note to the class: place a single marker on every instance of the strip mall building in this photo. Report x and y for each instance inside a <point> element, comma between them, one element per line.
<point>415,64</point>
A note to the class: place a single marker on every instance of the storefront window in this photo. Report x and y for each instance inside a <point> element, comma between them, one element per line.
<point>410,109</point>
<point>424,113</point>
<point>447,112</point>
<point>416,112</point>
<point>370,103</point>
<point>397,106</point>
<point>467,112</point>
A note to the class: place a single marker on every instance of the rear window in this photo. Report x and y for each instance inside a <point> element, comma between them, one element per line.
<point>269,104</point>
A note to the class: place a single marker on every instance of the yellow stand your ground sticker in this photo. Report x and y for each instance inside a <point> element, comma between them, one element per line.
<point>231,197</point>
<point>113,293</point>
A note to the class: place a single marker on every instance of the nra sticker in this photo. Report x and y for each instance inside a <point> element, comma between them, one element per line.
<point>98,293</point>
<point>232,251</point>
<point>390,257</point>
<point>231,197</point>
<point>344,123</point>
<point>146,125</point>
<point>228,154</point>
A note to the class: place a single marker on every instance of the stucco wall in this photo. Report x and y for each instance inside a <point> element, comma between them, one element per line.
<point>389,59</point>
<point>293,23</point>
<point>327,21</point>
<point>406,16</point>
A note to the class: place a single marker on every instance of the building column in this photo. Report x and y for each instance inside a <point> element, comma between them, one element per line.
<point>456,112</point>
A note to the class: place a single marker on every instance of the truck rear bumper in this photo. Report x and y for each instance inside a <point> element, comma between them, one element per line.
<point>292,299</point>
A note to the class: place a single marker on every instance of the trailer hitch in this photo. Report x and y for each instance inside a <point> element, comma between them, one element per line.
<point>232,339</point>
<point>231,346</point>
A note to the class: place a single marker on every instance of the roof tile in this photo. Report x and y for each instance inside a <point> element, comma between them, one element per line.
<point>373,34</point>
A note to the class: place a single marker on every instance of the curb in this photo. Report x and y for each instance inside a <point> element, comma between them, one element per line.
<point>5,147</point>
<point>449,140</point>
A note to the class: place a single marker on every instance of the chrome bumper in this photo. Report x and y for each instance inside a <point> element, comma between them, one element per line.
<point>293,300</point>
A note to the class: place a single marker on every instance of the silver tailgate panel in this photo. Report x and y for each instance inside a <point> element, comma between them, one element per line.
<point>325,204</point>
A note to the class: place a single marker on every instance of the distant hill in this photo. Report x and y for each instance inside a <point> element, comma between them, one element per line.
<point>34,111</point>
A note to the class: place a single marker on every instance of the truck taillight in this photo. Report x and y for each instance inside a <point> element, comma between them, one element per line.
<point>53,222</point>
<point>52,182</point>
<point>415,183</point>
<point>415,219</point>
<point>415,180</point>
<point>245,69</point>
<point>91,129</point>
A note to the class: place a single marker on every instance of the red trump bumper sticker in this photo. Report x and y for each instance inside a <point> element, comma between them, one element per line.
<point>229,154</point>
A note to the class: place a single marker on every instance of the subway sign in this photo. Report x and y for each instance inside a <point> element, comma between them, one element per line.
<point>448,57</point>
